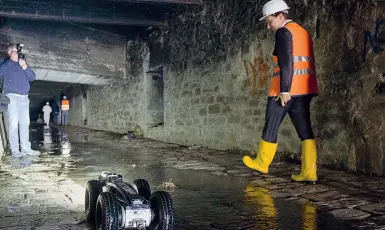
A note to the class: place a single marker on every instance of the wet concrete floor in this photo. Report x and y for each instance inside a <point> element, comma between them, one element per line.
<point>210,189</point>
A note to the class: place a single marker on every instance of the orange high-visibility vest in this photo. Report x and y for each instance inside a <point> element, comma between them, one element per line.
<point>65,105</point>
<point>304,79</point>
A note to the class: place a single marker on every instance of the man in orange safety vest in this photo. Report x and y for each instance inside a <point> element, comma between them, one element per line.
<point>65,107</point>
<point>292,88</point>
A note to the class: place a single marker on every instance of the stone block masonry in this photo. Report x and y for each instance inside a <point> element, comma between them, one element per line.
<point>216,80</point>
<point>120,111</point>
<point>117,108</point>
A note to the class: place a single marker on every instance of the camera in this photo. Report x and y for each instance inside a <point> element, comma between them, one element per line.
<point>19,47</point>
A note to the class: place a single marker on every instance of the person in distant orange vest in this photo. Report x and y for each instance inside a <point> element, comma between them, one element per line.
<point>292,88</point>
<point>65,107</point>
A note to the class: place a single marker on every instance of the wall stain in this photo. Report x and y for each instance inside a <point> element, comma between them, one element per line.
<point>380,86</point>
<point>260,73</point>
<point>373,39</point>
<point>247,82</point>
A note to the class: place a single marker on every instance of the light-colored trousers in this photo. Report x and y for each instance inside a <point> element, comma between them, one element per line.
<point>46,118</point>
<point>18,118</point>
<point>64,117</point>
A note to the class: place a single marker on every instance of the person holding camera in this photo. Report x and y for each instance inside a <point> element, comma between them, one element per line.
<point>17,77</point>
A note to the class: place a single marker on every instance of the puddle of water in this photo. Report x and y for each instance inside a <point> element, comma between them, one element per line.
<point>201,200</point>
<point>205,201</point>
<point>51,140</point>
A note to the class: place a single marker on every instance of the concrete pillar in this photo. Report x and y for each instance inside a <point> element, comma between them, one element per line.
<point>84,100</point>
<point>3,134</point>
<point>154,102</point>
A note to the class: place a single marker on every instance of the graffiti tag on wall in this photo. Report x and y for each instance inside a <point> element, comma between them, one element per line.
<point>373,39</point>
<point>259,75</point>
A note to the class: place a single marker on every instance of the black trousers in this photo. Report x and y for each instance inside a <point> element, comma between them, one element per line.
<point>299,111</point>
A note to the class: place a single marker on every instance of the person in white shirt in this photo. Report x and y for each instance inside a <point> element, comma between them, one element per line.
<point>47,110</point>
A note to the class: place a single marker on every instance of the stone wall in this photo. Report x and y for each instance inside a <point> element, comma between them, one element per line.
<point>216,80</point>
<point>111,108</point>
<point>114,108</point>
<point>77,98</point>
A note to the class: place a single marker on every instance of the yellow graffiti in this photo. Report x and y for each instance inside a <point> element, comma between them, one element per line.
<point>260,73</point>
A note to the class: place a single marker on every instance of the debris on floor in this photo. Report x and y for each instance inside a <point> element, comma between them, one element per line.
<point>167,185</point>
<point>195,147</point>
<point>134,134</point>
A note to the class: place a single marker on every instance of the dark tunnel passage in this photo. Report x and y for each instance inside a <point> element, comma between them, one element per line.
<point>45,91</point>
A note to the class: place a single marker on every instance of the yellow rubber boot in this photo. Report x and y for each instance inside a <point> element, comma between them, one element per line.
<point>265,156</point>
<point>309,162</point>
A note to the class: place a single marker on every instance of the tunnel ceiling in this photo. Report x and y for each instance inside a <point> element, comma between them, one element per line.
<point>47,90</point>
<point>80,41</point>
<point>101,12</point>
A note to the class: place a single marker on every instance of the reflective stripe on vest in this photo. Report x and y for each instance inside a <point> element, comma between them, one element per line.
<point>304,75</point>
<point>297,58</point>
<point>65,105</point>
<point>296,72</point>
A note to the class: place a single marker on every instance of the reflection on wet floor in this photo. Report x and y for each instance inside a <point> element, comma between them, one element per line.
<point>201,200</point>
<point>23,161</point>
<point>267,209</point>
<point>55,141</point>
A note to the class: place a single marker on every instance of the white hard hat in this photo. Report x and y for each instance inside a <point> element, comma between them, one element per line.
<point>47,103</point>
<point>65,97</point>
<point>272,7</point>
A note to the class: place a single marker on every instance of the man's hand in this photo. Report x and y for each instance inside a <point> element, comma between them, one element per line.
<point>23,64</point>
<point>285,98</point>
